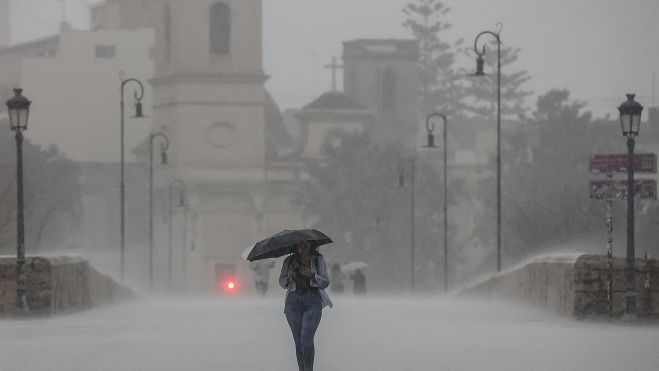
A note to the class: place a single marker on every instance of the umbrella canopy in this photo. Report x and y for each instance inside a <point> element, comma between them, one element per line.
<point>353,266</point>
<point>284,242</point>
<point>246,252</point>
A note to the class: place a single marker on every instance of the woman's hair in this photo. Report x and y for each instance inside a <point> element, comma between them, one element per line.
<point>313,249</point>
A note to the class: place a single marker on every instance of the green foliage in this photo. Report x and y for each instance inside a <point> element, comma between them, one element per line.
<point>51,194</point>
<point>545,200</point>
<point>439,80</point>
<point>447,88</point>
<point>481,92</point>
<point>355,196</point>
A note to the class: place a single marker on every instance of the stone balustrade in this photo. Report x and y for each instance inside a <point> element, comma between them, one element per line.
<point>58,285</point>
<point>574,285</point>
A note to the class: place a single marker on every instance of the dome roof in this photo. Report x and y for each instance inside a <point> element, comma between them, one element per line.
<point>277,138</point>
<point>334,100</point>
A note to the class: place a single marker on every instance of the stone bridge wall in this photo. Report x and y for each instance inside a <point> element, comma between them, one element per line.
<point>57,285</point>
<point>574,285</point>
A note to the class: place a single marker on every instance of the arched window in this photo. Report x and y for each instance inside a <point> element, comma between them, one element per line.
<point>220,29</point>
<point>388,91</point>
<point>167,33</point>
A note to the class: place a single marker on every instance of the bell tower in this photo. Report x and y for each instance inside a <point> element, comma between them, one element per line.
<point>210,101</point>
<point>209,81</point>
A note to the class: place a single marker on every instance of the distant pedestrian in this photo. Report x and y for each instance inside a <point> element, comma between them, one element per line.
<point>337,279</point>
<point>261,272</point>
<point>304,276</point>
<point>359,282</point>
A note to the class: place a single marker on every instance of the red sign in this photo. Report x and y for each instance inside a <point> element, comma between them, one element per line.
<point>617,163</point>
<point>644,189</point>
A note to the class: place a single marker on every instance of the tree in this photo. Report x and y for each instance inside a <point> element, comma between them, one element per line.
<point>545,201</point>
<point>481,93</point>
<point>439,81</point>
<point>52,195</point>
<point>355,197</point>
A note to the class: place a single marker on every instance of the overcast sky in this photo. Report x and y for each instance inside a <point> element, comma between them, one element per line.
<point>598,49</point>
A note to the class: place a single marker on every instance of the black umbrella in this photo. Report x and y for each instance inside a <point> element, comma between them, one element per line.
<point>284,242</point>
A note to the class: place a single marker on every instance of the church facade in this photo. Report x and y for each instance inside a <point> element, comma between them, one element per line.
<point>235,163</point>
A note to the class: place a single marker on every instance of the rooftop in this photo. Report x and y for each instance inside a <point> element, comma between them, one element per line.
<point>334,100</point>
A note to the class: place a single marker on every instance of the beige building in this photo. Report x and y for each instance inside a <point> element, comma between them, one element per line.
<point>74,80</point>
<point>235,162</point>
<point>383,76</point>
<point>210,100</point>
<point>319,120</point>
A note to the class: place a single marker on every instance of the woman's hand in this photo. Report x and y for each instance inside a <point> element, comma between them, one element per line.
<point>307,272</point>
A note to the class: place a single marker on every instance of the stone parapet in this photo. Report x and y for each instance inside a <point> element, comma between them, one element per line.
<point>591,276</point>
<point>574,285</point>
<point>58,285</point>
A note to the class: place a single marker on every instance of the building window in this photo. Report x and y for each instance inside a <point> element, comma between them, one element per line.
<point>389,91</point>
<point>220,29</point>
<point>105,51</point>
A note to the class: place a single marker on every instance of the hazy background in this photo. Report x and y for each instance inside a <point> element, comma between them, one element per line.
<point>597,49</point>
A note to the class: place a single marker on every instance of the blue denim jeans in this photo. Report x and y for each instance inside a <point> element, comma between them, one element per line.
<point>303,313</point>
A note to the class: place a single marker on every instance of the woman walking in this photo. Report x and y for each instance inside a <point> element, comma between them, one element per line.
<point>304,276</point>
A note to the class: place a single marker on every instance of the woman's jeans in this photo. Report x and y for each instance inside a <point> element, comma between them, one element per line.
<point>303,311</point>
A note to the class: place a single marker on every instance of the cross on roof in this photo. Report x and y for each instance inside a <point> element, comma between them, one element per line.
<point>63,11</point>
<point>334,67</point>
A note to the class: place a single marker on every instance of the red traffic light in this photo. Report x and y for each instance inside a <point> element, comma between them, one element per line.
<point>229,285</point>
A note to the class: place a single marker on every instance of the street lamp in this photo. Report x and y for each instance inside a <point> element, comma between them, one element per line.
<point>630,121</point>
<point>18,108</point>
<point>401,183</point>
<point>163,160</point>
<point>138,114</point>
<point>430,127</point>
<point>480,62</point>
<point>181,203</point>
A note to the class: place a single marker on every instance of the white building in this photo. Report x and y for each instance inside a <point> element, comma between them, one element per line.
<point>74,80</point>
<point>202,65</point>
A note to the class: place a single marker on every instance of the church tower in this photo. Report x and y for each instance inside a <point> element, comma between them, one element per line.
<point>209,82</point>
<point>383,75</point>
<point>210,101</point>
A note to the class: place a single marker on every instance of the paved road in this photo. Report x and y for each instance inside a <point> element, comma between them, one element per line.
<point>384,334</point>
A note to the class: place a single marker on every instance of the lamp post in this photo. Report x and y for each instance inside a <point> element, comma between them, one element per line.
<point>480,61</point>
<point>18,108</point>
<point>630,120</point>
<point>163,160</point>
<point>138,114</point>
<point>430,127</point>
<point>181,203</point>
<point>401,183</point>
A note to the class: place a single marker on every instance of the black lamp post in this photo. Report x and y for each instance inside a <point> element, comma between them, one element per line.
<point>163,160</point>
<point>630,120</point>
<point>181,203</point>
<point>138,114</point>
<point>18,108</point>
<point>401,183</point>
<point>430,127</point>
<point>480,61</point>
